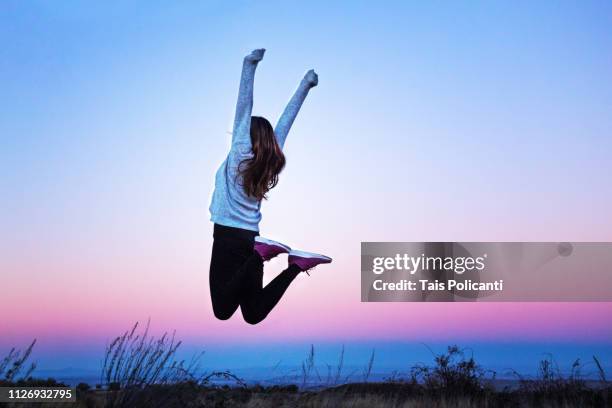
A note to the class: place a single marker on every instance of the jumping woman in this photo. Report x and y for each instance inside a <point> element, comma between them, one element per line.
<point>250,170</point>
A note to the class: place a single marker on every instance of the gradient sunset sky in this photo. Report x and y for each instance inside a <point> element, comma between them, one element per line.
<point>433,121</point>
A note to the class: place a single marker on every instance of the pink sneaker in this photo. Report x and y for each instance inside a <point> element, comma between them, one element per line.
<point>307,260</point>
<point>268,249</point>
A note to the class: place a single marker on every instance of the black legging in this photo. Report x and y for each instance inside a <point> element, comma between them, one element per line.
<point>236,277</point>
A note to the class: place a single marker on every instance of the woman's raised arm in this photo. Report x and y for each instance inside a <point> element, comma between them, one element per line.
<point>242,121</point>
<point>311,79</point>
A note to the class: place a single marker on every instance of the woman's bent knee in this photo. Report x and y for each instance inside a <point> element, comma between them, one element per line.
<point>224,313</point>
<point>252,318</point>
<point>223,316</point>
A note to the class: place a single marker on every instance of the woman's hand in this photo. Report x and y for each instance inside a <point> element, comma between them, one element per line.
<point>311,78</point>
<point>255,56</point>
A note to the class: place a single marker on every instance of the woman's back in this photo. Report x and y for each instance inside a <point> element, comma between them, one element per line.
<point>231,205</point>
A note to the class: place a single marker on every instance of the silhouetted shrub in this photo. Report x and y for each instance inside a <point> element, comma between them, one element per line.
<point>83,387</point>
<point>453,374</point>
<point>14,365</point>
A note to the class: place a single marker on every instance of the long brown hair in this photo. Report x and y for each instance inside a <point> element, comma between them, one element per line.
<point>260,173</point>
